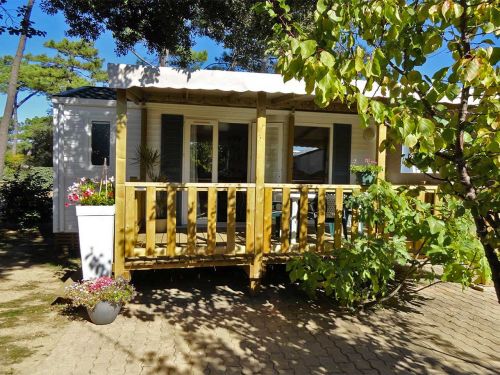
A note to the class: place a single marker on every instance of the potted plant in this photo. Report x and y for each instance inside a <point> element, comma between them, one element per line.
<point>366,174</point>
<point>94,200</point>
<point>102,297</point>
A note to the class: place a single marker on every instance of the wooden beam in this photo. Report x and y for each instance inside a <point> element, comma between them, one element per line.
<point>381,155</point>
<point>320,230</point>
<point>339,203</point>
<point>191,224</point>
<point>303,210</point>
<point>260,169</point>
<point>282,99</point>
<point>120,176</point>
<point>135,95</point>
<point>231,219</point>
<point>291,139</point>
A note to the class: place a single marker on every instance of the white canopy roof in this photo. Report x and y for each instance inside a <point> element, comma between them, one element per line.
<point>123,76</point>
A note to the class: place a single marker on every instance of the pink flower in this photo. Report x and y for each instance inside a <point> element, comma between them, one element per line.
<point>66,204</point>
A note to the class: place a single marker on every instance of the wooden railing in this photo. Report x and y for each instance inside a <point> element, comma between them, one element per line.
<point>279,238</point>
<point>141,215</point>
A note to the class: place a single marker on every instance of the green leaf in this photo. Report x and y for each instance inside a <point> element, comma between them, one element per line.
<point>435,225</point>
<point>307,48</point>
<point>425,126</point>
<point>358,60</point>
<point>378,109</point>
<point>471,69</point>
<point>362,103</point>
<point>327,59</point>
<point>411,140</point>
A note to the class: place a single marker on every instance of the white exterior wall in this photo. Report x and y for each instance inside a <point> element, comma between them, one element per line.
<point>72,148</point>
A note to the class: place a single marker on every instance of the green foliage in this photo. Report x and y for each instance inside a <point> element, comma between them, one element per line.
<point>92,192</point>
<point>375,55</point>
<point>149,159</point>
<point>368,167</point>
<point>25,198</point>
<point>359,272</point>
<point>68,64</point>
<point>35,141</point>
<point>175,25</point>
<point>365,269</point>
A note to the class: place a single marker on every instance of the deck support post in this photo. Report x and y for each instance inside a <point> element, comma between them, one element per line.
<point>381,155</point>
<point>260,167</point>
<point>120,176</point>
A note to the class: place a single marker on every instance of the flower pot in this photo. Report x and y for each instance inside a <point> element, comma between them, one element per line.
<point>96,228</point>
<point>104,313</point>
<point>365,178</point>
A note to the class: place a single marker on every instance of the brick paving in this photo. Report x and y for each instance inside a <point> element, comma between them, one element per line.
<point>204,322</point>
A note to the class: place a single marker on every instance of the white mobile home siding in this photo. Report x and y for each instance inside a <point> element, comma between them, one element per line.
<point>72,148</point>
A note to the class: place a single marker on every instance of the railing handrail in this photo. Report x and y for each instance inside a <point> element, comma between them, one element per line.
<point>185,185</point>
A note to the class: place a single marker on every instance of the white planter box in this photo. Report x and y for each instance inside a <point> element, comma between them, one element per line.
<point>96,229</point>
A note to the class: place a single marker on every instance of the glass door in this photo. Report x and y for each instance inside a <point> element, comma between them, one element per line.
<point>202,161</point>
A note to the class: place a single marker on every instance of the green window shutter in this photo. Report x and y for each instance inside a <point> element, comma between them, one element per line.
<point>342,135</point>
<point>171,147</point>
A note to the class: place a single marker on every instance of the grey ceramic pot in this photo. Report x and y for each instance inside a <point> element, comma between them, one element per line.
<point>104,313</point>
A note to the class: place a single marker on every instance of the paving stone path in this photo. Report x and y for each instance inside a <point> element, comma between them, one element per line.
<point>194,322</point>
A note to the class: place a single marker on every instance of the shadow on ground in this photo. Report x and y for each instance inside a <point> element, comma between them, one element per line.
<point>219,327</point>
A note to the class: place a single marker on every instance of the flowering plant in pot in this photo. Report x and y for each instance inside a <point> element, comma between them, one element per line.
<point>94,199</point>
<point>102,297</point>
<point>366,173</point>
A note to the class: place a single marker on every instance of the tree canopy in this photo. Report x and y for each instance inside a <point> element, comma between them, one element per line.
<point>174,25</point>
<point>69,64</point>
<point>12,21</point>
<point>371,54</point>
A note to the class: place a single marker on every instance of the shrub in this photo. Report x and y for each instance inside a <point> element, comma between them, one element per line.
<point>25,199</point>
<point>363,271</point>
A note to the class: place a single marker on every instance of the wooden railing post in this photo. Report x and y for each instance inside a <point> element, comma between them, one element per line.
<point>120,176</point>
<point>260,168</point>
<point>339,202</point>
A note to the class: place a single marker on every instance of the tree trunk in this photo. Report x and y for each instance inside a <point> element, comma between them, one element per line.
<point>15,132</point>
<point>489,250</point>
<point>12,87</point>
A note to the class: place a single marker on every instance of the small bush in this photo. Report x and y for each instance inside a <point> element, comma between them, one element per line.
<point>25,198</point>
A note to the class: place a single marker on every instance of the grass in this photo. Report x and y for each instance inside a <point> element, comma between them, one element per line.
<point>33,309</point>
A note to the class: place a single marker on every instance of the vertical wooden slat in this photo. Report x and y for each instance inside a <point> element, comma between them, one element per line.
<point>339,202</point>
<point>120,175</point>
<point>191,224</point>
<point>250,220</point>
<point>304,208</point>
<point>437,202</point>
<point>171,220</point>
<point>285,221</point>
<point>320,230</point>
<point>354,219</point>
<point>150,220</point>
<point>268,219</point>
<point>381,155</point>
<point>421,196</point>
<point>130,206</point>
<point>212,220</point>
<point>231,218</point>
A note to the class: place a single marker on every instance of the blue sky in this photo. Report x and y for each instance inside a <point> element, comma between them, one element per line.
<point>55,27</point>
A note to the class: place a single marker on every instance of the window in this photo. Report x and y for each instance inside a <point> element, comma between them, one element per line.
<point>310,154</point>
<point>100,138</point>
<point>405,152</point>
